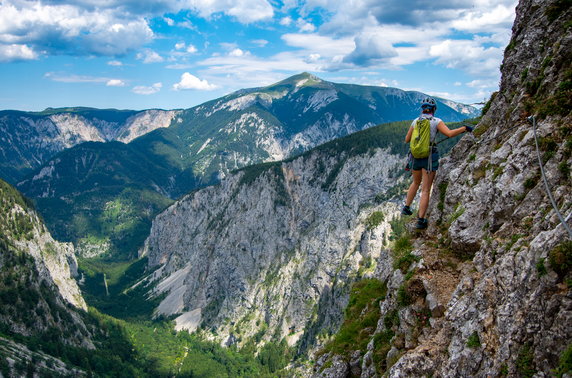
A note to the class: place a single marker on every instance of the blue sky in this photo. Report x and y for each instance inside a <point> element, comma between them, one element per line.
<point>136,54</point>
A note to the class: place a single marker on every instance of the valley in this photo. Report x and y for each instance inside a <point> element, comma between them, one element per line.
<point>260,234</point>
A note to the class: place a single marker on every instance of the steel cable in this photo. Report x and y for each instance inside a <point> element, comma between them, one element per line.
<point>562,220</point>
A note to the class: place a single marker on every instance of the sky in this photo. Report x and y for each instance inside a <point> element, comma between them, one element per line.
<point>173,54</point>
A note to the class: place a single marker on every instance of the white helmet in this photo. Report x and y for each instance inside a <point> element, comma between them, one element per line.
<point>429,102</point>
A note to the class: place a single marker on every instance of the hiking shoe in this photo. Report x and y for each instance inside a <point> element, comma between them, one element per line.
<point>406,210</point>
<point>421,224</point>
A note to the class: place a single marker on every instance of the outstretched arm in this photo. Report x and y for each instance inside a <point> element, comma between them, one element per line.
<point>443,129</point>
<point>409,133</point>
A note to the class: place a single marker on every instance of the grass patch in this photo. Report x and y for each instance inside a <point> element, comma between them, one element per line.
<point>397,228</point>
<point>531,182</point>
<point>564,169</point>
<point>403,297</point>
<point>565,366</point>
<point>459,210</point>
<point>513,239</point>
<point>488,106</point>
<point>497,172</point>
<point>361,317</point>
<point>442,193</point>
<point>560,259</point>
<point>474,341</point>
<point>382,346</point>
<point>525,362</point>
<point>541,268</point>
<point>556,9</point>
<point>374,220</point>
<point>391,319</point>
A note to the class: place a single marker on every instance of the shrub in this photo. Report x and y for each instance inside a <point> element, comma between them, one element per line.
<point>556,9</point>
<point>474,341</point>
<point>405,261</point>
<point>403,297</point>
<point>541,268</point>
<point>361,317</point>
<point>560,258</point>
<point>391,319</point>
<point>525,362</point>
<point>489,103</point>
<point>531,182</point>
<point>382,346</point>
<point>564,169</point>
<point>565,366</point>
<point>374,220</point>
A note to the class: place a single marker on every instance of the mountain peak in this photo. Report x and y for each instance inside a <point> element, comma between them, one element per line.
<point>303,79</point>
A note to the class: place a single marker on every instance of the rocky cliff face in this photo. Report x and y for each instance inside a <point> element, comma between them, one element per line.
<point>39,292</point>
<point>271,251</point>
<point>486,291</point>
<point>491,294</point>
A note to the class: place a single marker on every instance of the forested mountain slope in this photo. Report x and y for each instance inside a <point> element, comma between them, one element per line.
<point>29,139</point>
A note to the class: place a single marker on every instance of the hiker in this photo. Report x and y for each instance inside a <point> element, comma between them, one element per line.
<point>424,156</point>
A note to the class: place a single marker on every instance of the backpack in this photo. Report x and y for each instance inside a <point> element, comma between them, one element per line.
<point>420,144</point>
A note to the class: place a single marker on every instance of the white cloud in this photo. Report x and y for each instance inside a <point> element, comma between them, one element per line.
<point>15,52</point>
<point>94,27</point>
<point>72,78</point>
<point>319,44</point>
<point>115,83</point>
<point>400,33</point>
<point>115,63</point>
<point>149,56</point>
<point>254,71</point>
<point>286,21</point>
<point>313,58</point>
<point>246,11</point>
<point>305,27</point>
<point>143,90</point>
<point>486,20</point>
<point>370,49</point>
<point>260,42</point>
<point>237,52</point>
<point>191,49</point>
<point>482,84</point>
<point>179,66</point>
<point>189,81</point>
<point>54,28</point>
<point>388,83</point>
<point>468,56</point>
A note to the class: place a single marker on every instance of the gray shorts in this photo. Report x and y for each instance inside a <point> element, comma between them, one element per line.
<point>419,164</point>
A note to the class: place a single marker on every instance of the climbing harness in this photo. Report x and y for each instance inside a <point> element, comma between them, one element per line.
<point>532,120</point>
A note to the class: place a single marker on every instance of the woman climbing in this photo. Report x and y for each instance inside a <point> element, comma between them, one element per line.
<point>424,168</point>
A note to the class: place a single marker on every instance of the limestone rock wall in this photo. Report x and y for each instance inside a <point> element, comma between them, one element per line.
<point>273,254</point>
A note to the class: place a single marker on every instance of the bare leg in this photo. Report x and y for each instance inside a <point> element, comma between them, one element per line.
<point>413,187</point>
<point>428,178</point>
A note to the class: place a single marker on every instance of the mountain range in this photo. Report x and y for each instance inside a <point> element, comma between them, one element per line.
<point>305,266</point>
<point>29,139</point>
<point>200,146</point>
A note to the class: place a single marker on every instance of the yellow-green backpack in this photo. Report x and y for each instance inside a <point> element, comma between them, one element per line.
<point>420,143</point>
